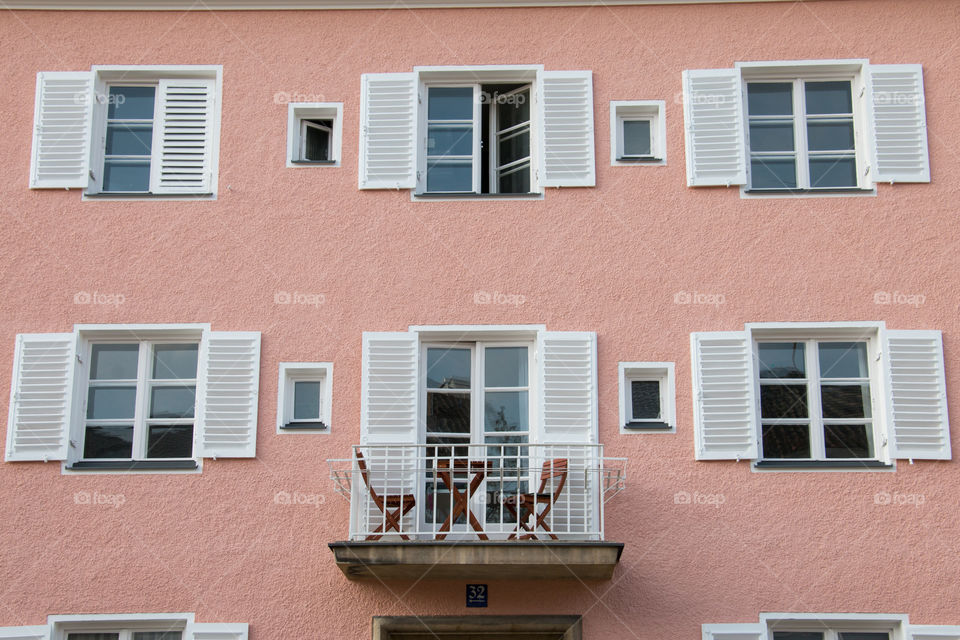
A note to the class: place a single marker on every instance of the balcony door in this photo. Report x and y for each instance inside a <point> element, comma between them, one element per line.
<point>476,403</point>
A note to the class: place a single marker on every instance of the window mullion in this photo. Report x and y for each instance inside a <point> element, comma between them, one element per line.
<point>143,395</point>
<point>800,135</point>
<point>817,440</point>
<point>477,137</point>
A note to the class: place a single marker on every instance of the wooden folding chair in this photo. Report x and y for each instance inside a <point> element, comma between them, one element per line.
<point>393,507</point>
<point>524,505</point>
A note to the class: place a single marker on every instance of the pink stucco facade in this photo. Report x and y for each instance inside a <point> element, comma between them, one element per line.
<point>608,259</point>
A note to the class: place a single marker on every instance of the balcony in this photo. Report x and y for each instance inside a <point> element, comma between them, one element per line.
<point>477,511</point>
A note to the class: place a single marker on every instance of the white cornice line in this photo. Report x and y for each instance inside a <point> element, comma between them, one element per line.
<point>255,5</point>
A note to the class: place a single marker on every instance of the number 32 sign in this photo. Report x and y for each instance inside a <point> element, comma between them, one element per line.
<point>476,595</point>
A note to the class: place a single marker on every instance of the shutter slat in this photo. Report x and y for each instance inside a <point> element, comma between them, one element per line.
<point>388,407</point>
<point>724,420</point>
<point>713,128</point>
<point>227,394</point>
<point>183,137</point>
<point>63,116</point>
<point>388,119</point>
<point>917,397</point>
<point>41,396</point>
<point>567,158</point>
<point>899,124</point>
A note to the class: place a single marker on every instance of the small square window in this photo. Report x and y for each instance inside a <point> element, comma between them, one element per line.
<point>647,401</point>
<point>637,132</point>
<point>314,131</point>
<point>304,397</point>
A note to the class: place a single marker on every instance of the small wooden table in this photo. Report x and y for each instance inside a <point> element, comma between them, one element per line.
<point>477,470</point>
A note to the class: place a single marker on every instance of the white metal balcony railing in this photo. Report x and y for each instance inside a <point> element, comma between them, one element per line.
<point>477,491</point>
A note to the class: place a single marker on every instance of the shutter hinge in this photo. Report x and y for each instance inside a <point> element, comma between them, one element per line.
<point>73,443</point>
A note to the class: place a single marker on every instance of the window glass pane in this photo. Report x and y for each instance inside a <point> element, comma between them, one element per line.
<point>829,135</point>
<point>786,441</point>
<point>174,441</point>
<point>845,401</point>
<point>506,411</point>
<point>512,109</point>
<point>514,147</point>
<point>449,140</point>
<point>847,441</point>
<point>828,97</point>
<point>108,442</point>
<point>157,635</point>
<point>448,368</point>
<point>126,175</point>
<point>111,403</point>
<point>645,399</point>
<point>450,103</point>
<point>843,359</point>
<point>175,361</point>
<point>317,144</point>
<point>770,98</point>
<point>516,180</point>
<point>505,367</point>
<point>797,635</point>
<point>636,137</point>
<point>782,360</point>
<point>773,173</point>
<point>771,136</point>
<point>448,413</point>
<point>129,139</point>
<point>830,173</point>
<point>783,401</point>
<point>172,402</point>
<point>449,176</point>
<point>131,103</point>
<point>114,361</point>
<point>306,400</point>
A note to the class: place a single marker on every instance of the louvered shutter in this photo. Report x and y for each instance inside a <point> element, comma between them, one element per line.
<point>388,124</point>
<point>568,384</point>
<point>388,404</point>
<point>734,632</point>
<point>228,383</point>
<point>917,397</point>
<point>932,632</point>
<point>61,130</point>
<point>713,128</point>
<point>724,413</point>
<point>41,396</point>
<point>39,632</point>
<point>566,117</point>
<point>183,136</point>
<point>899,123</point>
<point>216,631</point>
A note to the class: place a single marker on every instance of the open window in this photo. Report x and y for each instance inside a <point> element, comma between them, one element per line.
<point>314,134</point>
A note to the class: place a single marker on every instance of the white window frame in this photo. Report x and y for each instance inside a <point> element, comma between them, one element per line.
<point>660,372</point>
<point>868,332</point>
<point>298,116</point>
<point>290,374</point>
<point>142,75</point>
<point>798,72</point>
<point>462,76</point>
<point>831,624</point>
<point>651,111</point>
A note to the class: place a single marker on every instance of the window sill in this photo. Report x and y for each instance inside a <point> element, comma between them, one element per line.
<point>821,464</point>
<point>647,426</point>
<point>307,163</point>
<point>304,426</point>
<point>639,159</point>
<point>133,465</point>
<point>144,196</point>
<point>850,192</point>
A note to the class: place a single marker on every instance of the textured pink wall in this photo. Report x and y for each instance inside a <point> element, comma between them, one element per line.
<point>608,259</point>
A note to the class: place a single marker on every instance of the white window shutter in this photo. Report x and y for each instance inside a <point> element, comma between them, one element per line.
<point>216,631</point>
<point>389,383</point>
<point>899,123</point>
<point>567,367</point>
<point>932,632</point>
<point>41,396</point>
<point>755,631</point>
<point>228,383</point>
<point>388,125</point>
<point>62,122</point>
<point>713,128</point>
<point>917,396</point>
<point>724,412</point>
<point>566,128</point>
<point>38,632</point>
<point>183,135</point>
